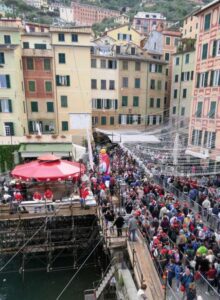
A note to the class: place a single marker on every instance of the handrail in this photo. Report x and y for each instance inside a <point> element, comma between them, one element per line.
<point>106,271</point>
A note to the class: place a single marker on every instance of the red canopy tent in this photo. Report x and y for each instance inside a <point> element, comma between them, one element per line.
<point>48,168</point>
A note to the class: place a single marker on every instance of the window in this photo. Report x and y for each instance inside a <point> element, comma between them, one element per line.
<point>93,63</point>
<point>202,79</point>
<point>215,78</point>
<point>62,80</point>
<point>48,86</point>
<point>40,46</point>
<point>112,120</point>
<point>177,61</point>
<point>112,64</point>
<point>152,84</point>
<point>137,66</point>
<point>187,59</point>
<point>158,102</point>
<point>31,86</point>
<point>137,83</point>
<point>175,93</point>
<point>207,22</point>
<point>182,111</point>
<point>184,93</point>
<point>47,66</point>
<point>212,110</point>
<point>34,106</point>
<point>204,51</point>
<point>103,120</point>
<point>159,85</point>
<point>74,37</point>
<point>103,84</point>
<point>198,113</point>
<point>30,63</point>
<point>135,101</point>
<point>5,81</point>
<point>167,71</point>
<point>62,58</point>
<point>192,75</point>
<point>174,110</point>
<point>63,100</point>
<point>166,86</point>
<point>65,126</point>
<point>5,106</point>
<point>176,41</point>
<point>209,139</point>
<point>2,58</point>
<point>61,37</point>
<point>7,39</point>
<point>103,64</point>
<point>167,56</point>
<point>151,102</point>
<point>26,45</point>
<point>167,40</point>
<point>93,84</point>
<point>111,84</point>
<point>196,137</point>
<point>125,65</point>
<point>155,68</point>
<point>124,101</point>
<point>9,128</point>
<point>176,78</point>
<point>124,82</point>
<point>50,107</point>
<point>218,48</point>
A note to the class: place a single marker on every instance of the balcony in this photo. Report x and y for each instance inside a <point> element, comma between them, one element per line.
<point>38,52</point>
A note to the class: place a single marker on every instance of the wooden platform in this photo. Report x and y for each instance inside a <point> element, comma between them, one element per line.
<point>63,211</point>
<point>144,269</point>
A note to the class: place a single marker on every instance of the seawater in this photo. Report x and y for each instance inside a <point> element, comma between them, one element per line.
<point>40,285</point>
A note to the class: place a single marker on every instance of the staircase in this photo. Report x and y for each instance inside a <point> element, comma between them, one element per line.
<point>105,281</point>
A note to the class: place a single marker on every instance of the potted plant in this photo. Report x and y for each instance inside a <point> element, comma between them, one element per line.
<point>38,136</point>
<point>54,136</point>
<point>63,136</point>
<point>28,136</point>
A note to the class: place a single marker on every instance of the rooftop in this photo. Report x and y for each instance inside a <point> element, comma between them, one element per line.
<point>209,5</point>
<point>148,15</point>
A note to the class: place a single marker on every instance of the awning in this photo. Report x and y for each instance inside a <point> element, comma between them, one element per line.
<point>197,154</point>
<point>35,150</point>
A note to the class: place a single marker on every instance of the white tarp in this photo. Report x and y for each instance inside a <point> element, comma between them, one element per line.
<point>132,136</point>
<point>80,121</point>
<point>78,152</point>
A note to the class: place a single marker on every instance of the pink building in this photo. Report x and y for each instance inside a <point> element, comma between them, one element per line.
<point>84,14</point>
<point>204,132</point>
<point>145,22</point>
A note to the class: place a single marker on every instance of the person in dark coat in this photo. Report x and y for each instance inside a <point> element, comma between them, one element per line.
<point>119,222</point>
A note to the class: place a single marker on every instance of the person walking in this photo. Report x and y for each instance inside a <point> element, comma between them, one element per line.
<point>141,292</point>
<point>132,227</point>
<point>119,222</point>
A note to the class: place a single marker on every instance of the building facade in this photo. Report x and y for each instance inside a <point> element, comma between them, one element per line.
<point>37,3</point>
<point>85,14</point>
<point>12,95</point>
<point>182,87</point>
<point>145,22</point>
<point>204,132</point>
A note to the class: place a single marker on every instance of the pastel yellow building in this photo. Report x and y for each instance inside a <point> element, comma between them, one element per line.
<point>124,34</point>
<point>72,79</point>
<point>190,26</point>
<point>12,98</point>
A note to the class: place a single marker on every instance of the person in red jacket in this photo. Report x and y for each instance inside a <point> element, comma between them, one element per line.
<point>37,196</point>
<point>18,196</point>
<point>48,195</point>
<point>211,276</point>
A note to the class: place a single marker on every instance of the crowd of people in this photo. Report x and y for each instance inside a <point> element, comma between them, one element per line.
<point>182,246</point>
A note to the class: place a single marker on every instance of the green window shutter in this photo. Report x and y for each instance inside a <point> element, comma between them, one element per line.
<point>0,106</point>
<point>11,124</point>
<point>214,48</point>
<point>192,75</point>
<point>103,120</point>
<point>68,80</point>
<point>57,80</point>
<point>158,102</point>
<point>64,101</point>
<point>198,80</point>
<point>30,126</point>
<point>65,126</point>
<point>135,101</point>
<point>34,106</point>
<point>2,58</point>
<point>116,104</point>
<point>10,105</point>
<point>50,107</point>
<point>119,119</point>
<point>112,120</point>
<point>160,68</point>
<point>151,102</point>
<point>8,81</point>
<point>47,65</point>
<point>207,22</point>
<point>199,110</point>
<point>48,86</point>
<point>206,79</point>
<point>182,76</point>
<point>62,58</point>
<point>212,111</point>
<point>31,86</point>
<point>211,78</point>
<point>204,51</point>
<point>205,138</point>
<point>124,100</point>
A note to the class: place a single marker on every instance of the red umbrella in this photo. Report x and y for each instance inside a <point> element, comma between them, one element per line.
<point>48,168</point>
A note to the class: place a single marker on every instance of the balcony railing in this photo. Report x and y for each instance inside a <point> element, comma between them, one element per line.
<point>38,52</point>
